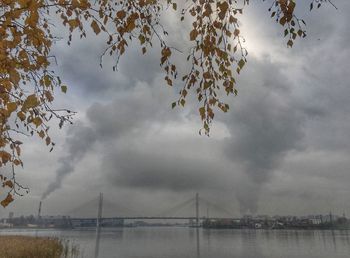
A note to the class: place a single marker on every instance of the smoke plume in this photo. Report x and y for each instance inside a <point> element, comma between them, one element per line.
<point>80,139</point>
<point>265,126</point>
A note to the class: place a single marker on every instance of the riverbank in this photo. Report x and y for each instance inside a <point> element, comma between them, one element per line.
<point>35,247</point>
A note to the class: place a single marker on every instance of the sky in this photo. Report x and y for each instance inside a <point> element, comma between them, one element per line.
<point>282,148</point>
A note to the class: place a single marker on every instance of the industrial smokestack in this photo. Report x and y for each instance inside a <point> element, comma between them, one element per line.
<point>39,210</point>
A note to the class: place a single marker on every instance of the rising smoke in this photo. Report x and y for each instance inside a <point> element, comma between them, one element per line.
<point>79,141</point>
<point>108,122</point>
<point>266,125</point>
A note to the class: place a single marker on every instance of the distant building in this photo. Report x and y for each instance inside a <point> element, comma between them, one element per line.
<point>258,225</point>
<point>105,222</point>
<point>316,221</point>
<point>5,224</point>
<point>55,221</point>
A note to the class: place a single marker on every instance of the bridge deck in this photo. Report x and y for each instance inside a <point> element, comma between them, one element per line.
<point>147,218</point>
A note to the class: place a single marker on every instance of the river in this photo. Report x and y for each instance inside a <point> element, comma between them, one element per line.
<point>178,242</point>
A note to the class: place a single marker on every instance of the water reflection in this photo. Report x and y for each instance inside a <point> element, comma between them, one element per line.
<point>250,245</point>
<point>198,243</point>
<point>201,243</point>
<point>296,237</point>
<point>334,241</point>
<point>347,236</point>
<point>323,234</point>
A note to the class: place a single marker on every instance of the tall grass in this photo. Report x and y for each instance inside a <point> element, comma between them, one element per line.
<point>36,247</point>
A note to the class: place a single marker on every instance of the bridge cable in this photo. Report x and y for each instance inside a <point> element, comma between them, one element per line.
<point>176,207</point>
<point>117,207</point>
<point>82,206</point>
<point>217,207</point>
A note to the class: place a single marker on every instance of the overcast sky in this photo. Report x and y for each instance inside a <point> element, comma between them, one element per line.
<point>282,149</point>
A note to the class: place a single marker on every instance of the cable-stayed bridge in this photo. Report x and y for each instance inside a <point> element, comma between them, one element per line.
<point>101,211</point>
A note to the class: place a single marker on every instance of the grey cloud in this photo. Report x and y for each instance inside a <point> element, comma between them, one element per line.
<point>286,109</point>
<point>144,104</point>
<point>83,72</point>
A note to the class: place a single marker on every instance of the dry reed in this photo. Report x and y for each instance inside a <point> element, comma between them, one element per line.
<point>35,247</point>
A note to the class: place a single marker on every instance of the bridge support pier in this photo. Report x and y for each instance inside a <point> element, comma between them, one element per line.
<point>197,210</point>
<point>98,225</point>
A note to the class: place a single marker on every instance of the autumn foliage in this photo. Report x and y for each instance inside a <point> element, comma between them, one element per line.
<point>28,81</point>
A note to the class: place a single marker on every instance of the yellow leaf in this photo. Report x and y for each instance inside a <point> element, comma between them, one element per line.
<point>64,88</point>
<point>41,134</point>
<point>11,107</point>
<point>32,19</point>
<point>18,150</point>
<point>166,52</point>
<point>193,34</point>
<point>47,80</point>
<point>73,23</point>
<point>130,26</point>
<point>48,140</point>
<point>30,102</point>
<point>5,156</point>
<point>17,162</point>
<point>21,116</point>
<point>37,121</point>
<point>14,76</point>
<point>23,3</point>
<point>121,14</point>
<point>7,200</point>
<point>95,27</point>
<point>241,63</point>
<point>49,96</point>
<point>142,39</point>
<point>8,183</point>
<point>223,9</point>
<point>202,112</point>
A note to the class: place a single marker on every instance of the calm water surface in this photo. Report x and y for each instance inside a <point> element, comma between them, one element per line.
<point>192,243</point>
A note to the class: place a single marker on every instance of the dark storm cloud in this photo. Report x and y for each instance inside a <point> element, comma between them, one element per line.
<point>160,170</point>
